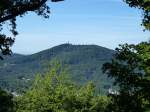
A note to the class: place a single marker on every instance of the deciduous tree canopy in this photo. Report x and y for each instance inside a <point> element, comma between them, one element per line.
<point>131,70</point>
<point>6,102</point>
<point>145,6</point>
<point>10,9</point>
<point>55,93</point>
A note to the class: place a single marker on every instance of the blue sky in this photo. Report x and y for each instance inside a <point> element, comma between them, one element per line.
<point>102,22</point>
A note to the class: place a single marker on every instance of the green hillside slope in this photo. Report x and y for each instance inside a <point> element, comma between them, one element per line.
<point>84,63</point>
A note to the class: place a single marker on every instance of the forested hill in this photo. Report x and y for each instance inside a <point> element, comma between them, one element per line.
<point>84,63</point>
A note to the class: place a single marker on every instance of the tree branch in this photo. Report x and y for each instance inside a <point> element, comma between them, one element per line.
<point>23,8</point>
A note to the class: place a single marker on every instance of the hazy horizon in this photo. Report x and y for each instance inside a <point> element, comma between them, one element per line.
<point>105,23</point>
<point>62,44</point>
<point>58,45</point>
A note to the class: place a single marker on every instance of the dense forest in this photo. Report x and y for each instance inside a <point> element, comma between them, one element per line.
<point>84,63</point>
<point>68,78</point>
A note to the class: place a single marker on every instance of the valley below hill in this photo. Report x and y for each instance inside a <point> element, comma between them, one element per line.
<point>84,63</point>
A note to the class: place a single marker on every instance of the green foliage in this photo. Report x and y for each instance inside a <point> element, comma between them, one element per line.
<point>10,10</point>
<point>84,64</point>
<point>6,102</point>
<point>131,70</point>
<point>54,93</point>
<point>145,6</point>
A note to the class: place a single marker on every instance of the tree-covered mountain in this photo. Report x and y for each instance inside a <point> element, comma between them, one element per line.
<point>84,64</point>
